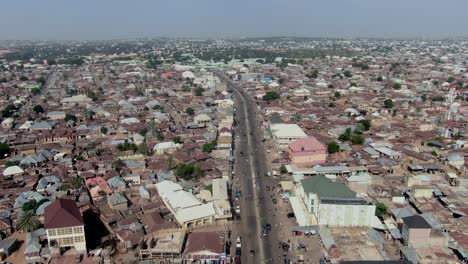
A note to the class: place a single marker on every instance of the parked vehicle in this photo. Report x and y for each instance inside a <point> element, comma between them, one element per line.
<point>252,252</point>
<point>238,242</point>
<point>268,227</point>
<point>238,251</point>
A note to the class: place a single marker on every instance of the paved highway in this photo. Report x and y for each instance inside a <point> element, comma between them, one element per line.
<point>250,167</point>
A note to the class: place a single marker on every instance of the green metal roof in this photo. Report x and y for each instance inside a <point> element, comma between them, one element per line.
<point>324,187</point>
<point>276,120</point>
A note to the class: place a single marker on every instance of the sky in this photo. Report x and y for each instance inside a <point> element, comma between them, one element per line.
<point>118,19</point>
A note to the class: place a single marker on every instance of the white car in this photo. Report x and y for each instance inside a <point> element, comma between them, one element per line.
<point>238,242</point>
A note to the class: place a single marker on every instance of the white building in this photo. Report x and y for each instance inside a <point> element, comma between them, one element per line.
<point>186,208</point>
<point>168,146</point>
<point>331,203</point>
<point>64,226</point>
<point>286,133</point>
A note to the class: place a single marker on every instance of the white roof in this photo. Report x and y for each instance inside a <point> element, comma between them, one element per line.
<point>202,117</point>
<point>130,120</point>
<point>76,99</point>
<point>12,171</point>
<point>181,199</point>
<point>287,130</point>
<point>387,151</point>
<point>165,145</point>
<point>165,187</point>
<point>196,212</point>
<point>219,189</point>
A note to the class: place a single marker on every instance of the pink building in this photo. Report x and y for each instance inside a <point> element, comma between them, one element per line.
<point>307,151</point>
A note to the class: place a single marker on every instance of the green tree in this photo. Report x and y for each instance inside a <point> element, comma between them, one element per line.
<point>357,139</point>
<point>366,124</point>
<point>76,182</point>
<point>199,91</point>
<point>388,103</point>
<point>209,147</point>
<point>36,91</point>
<point>451,79</point>
<point>186,171</point>
<point>23,78</point>
<point>337,94</point>
<point>345,136</point>
<point>8,111</point>
<point>396,86</point>
<point>379,79</point>
<point>4,150</point>
<point>261,61</point>
<point>92,95</point>
<point>27,222</point>
<point>283,169</point>
<point>380,210</point>
<point>190,111</point>
<point>69,117</point>
<point>30,206</point>
<point>38,109</point>
<point>424,97</point>
<point>127,146</point>
<point>269,96</point>
<point>143,148</point>
<point>333,147</point>
<point>11,164</point>
<point>177,140</point>
<point>104,130</point>
<point>41,80</point>
<point>348,74</point>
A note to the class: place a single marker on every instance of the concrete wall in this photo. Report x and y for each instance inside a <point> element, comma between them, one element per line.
<point>77,236</point>
<point>345,215</point>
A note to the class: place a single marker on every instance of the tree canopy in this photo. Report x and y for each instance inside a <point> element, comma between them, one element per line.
<point>38,109</point>
<point>333,147</point>
<point>269,96</point>
<point>388,103</point>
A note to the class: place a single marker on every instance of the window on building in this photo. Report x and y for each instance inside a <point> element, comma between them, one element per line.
<point>64,231</point>
<point>65,241</point>
<point>79,239</point>
<point>52,232</point>
<point>77,230</point>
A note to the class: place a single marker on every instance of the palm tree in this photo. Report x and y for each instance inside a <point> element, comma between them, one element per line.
<point>28,222</point>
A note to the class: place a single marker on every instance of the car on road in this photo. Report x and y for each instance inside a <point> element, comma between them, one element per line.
<point>241,153</point>
<point>252,252</point>
<point>238,242</point>
<point>285,246</point>
<point>265,232</point>
<point>291,215</point>
<point>268,188</point>
<point>238,209</point>
<point>268,227</point>
<point>274,200</point>
<point>237,260</point>
<point>238,251</point>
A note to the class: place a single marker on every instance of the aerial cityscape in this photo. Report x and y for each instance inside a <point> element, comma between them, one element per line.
<point>219,148</point>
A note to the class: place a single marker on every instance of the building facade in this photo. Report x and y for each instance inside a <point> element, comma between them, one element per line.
<point>64,227</point>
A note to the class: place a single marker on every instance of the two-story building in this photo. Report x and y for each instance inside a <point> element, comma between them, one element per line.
<point>64,226</point>
<point>332,203</point>
<point>284,134</point>
<point>307,151</point>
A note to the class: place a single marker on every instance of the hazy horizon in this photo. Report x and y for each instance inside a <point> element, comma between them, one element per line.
<point>107,20</point>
